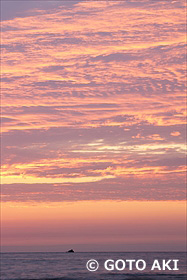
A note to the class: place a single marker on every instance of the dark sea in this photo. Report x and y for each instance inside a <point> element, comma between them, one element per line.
<point>72,266</point>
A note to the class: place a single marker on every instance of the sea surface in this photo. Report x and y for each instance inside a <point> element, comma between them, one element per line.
<point>72,266</point>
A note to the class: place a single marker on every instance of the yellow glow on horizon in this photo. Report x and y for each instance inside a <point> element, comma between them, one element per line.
<point>112,221</point>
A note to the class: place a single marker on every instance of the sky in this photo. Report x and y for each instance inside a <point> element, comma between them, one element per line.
<point>93,125</point>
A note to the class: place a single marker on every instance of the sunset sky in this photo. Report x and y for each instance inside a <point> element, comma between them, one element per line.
<point>93,125</point>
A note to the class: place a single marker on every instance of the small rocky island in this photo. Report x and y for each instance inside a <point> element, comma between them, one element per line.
<point>70,251</point>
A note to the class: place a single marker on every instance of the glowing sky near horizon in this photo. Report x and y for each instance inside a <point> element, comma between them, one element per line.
<point>93,108</point>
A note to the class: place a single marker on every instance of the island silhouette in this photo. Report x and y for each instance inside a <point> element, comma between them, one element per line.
<point>70,251</point>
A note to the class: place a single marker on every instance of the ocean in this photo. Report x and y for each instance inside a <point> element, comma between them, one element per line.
<point>72,266</point>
